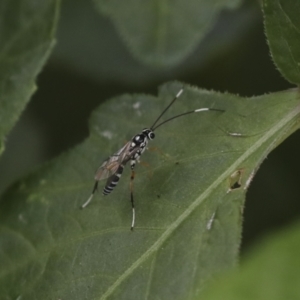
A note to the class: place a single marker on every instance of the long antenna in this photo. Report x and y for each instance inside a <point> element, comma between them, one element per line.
<point>186,113</point>
<point>177,96</point>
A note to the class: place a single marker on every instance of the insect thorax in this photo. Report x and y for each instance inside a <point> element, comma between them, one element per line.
<point>140,142</point>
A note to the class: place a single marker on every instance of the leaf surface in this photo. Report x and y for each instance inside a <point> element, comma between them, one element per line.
<point>27,31</point>
<point>188,221</point>
<point>163,33</point>
<point>270,271</point>
<point>282,25</point>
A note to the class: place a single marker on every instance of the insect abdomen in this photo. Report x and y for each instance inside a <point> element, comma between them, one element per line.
<point>113,181</point>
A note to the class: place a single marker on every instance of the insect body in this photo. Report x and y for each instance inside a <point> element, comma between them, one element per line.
<point>112,168</point>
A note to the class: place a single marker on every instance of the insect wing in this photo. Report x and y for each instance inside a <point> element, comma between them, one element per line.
<point>106,170</point>
<point>111,165</point>
<point>123,154</point>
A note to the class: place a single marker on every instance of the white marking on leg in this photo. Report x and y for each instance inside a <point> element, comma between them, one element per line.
<point>132,163</point>
<point>88,201</point>
<point>133,218</point>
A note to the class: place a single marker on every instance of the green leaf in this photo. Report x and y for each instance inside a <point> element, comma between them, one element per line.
<point>188,221</point>
<point>79,17</point>
<point>26,39</point>
<point>270,271</point>
<point>282,25</point>
<point>163,33</point>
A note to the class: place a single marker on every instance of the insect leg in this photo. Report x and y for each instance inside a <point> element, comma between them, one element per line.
<point>92,195</point>
<point>159,151</point>
<point>131,197</point>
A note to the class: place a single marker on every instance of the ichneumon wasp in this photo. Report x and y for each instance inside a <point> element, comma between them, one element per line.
<point>112,168</point>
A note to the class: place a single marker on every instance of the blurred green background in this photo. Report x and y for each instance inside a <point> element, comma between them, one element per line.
<point>91,64</point>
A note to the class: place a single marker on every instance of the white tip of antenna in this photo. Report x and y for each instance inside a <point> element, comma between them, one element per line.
<point>179,93</point>
<point>133,218</point>
<point>201,109</point>
<point>87,202</point>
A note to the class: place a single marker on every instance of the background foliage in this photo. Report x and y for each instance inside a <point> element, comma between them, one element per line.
<point>91,63</point>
